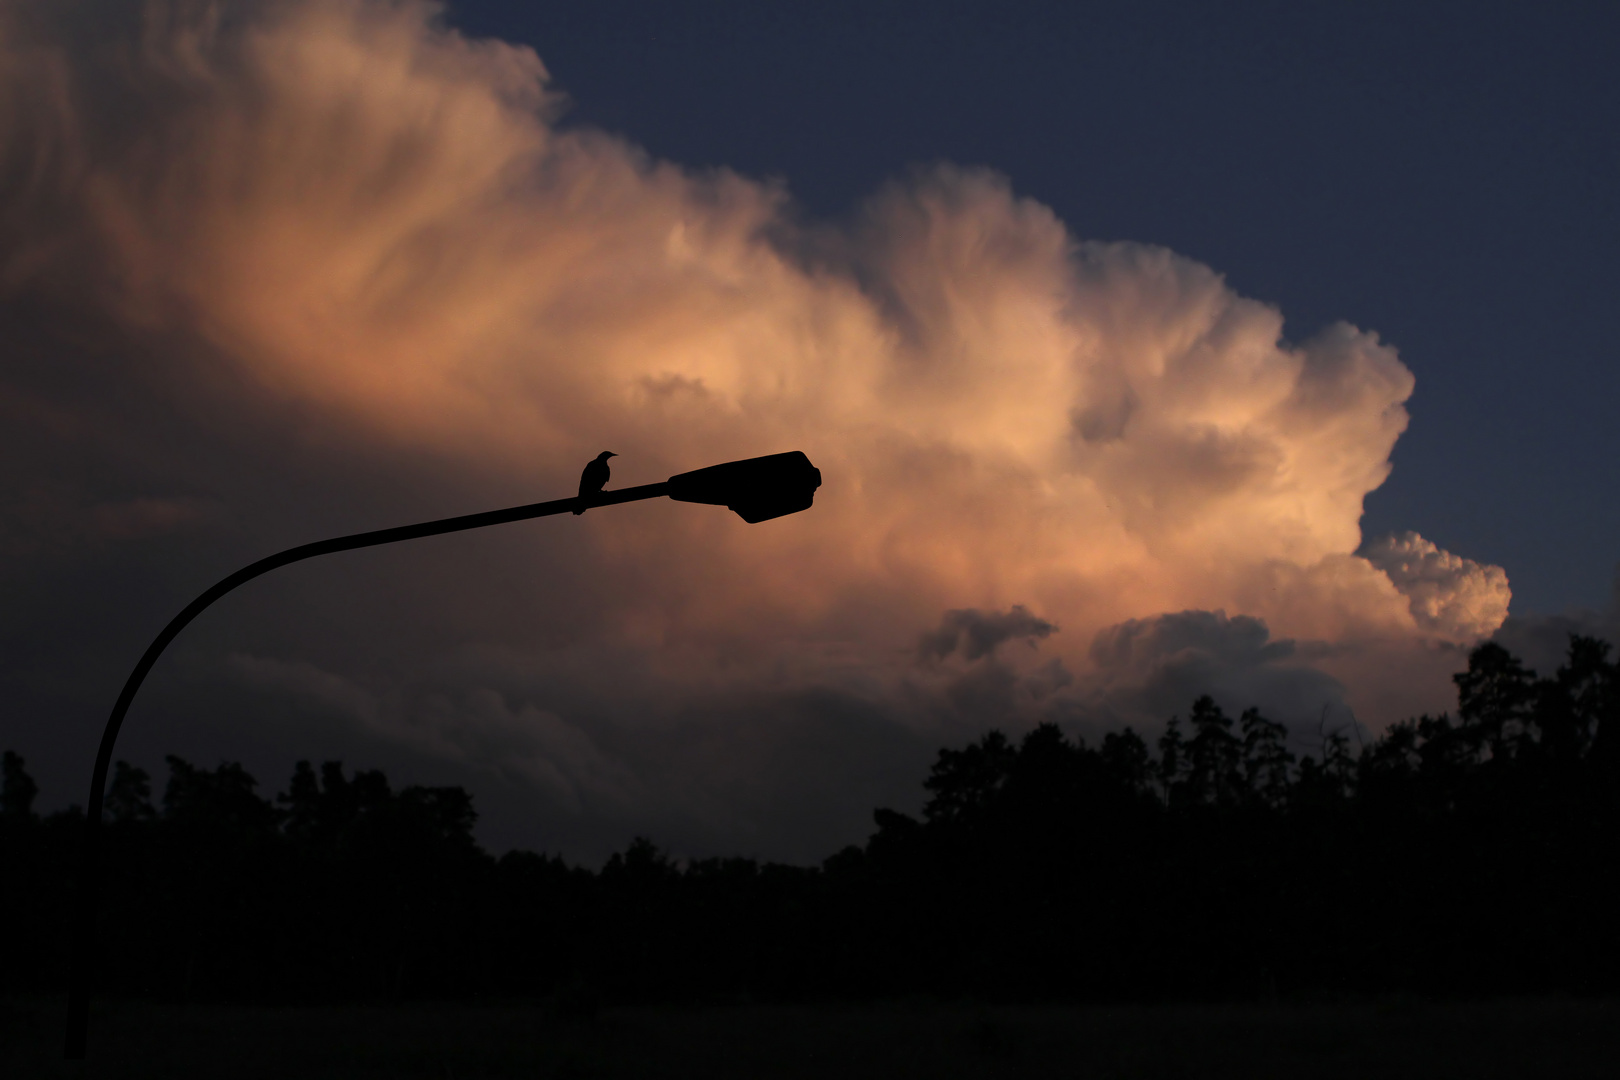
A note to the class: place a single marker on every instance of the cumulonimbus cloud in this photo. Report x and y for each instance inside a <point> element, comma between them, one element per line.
<point>1451,596</point>
<point>360,237</point>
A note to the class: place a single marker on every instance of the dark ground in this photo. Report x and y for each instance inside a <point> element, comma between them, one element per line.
<point>1387,1039</point>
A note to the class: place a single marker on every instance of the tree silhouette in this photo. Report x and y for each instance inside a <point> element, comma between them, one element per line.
<point>964,782</point>
<point>1172,764</point>
<point>219,802</point>
<point>1590,722</point>
<point>1128,759</point>
<point>1214,772</point>
<point>1493,700</point>
<point>129,794</point>
<point>1462,853</point>
<point>17,789</point>
<point>1267,761</point>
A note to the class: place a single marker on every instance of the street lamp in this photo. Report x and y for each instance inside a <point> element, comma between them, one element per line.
<point>757,489</point>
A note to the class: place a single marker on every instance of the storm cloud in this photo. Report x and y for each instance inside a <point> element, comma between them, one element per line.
<point>279,270</point>
<point>978,633</point>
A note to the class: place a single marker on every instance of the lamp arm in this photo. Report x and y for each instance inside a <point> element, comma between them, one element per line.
<point>85,913</point>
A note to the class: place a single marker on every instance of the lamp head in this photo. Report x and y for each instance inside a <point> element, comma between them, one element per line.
<point>756,489</point>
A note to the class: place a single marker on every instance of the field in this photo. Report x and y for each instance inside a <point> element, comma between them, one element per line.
<point>1398,1038</point>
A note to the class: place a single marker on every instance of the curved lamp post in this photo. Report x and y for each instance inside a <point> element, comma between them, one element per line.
<point>757,489</point>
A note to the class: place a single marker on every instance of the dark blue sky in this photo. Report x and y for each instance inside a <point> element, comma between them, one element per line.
<point>1444,174</point>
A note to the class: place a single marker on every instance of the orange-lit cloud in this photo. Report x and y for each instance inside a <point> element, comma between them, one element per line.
<point>335,231</point>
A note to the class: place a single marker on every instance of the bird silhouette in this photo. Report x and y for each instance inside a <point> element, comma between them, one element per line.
<point>593,478</point>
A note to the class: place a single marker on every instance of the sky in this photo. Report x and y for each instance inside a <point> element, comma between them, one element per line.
<point>1255,351</point>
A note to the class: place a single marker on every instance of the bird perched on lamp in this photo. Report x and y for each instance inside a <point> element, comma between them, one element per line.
<point>593,479</point>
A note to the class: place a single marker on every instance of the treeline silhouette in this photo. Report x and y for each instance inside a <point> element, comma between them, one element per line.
<point>1465,854</point>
